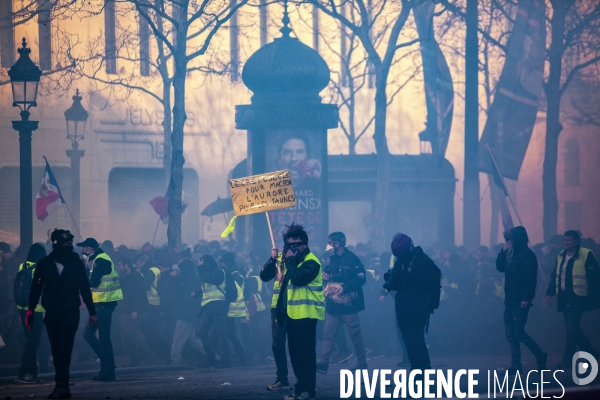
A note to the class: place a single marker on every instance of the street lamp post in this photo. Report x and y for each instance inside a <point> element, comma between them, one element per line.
<point>76,118</point>
<point>24,79</point>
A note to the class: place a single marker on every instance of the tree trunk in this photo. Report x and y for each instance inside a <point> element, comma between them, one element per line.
<point>383,161</point>
<point>179,117</point>
<point>167,129</point>
<point>553,125</point>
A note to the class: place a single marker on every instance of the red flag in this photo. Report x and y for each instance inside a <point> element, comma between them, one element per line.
<point>161,206</point>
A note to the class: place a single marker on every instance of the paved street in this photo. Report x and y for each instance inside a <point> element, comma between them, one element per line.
<point>250,383</point>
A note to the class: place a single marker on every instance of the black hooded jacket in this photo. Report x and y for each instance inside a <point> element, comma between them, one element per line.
<point>61,292</point>
<point>519,266</point>
<point>412,281</point>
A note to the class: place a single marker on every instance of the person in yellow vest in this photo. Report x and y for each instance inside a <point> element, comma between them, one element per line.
<point>237,309</point>
<point>299,304</point>
<point>576,283</point>
<point>106,292</point>
<point>214,307</point>
<point>28,368</point>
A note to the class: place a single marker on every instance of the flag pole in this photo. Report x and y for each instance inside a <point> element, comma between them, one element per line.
<point>155,230</point>
<point>73,219</point>
<point>502,178</point>
<point>272,239</point>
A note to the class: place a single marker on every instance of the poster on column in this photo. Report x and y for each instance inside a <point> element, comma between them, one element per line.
<point>301,153</point>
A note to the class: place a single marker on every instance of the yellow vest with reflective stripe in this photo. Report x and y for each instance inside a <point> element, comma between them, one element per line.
<point>260,304</point>
<point>277,284</point>
<point>109,288</point>
<point>580,283</point>
<point>211,293</point>
<point>152,293</point>
<point>237,309</point>
<point>39,307</point>
<point>307,301</point>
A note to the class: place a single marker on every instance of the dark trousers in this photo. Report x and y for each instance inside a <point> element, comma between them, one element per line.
<point>259,330</point>
<point>302,341</point>
<point>515,319</point>
<point>233,327</point>
<point>33,336</point>
<point>133,339</point>
<point>330,332</point>
<point>102,345</point>
<point>412,327</point>
<point>213,316</point>
<point>575,336</point>
<point>279,333</point>
<point>61,333</point>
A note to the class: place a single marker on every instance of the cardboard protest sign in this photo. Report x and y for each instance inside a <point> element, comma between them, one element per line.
<point>260,193</point>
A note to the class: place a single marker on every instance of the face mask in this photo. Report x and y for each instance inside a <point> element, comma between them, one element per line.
<point>329,248</point>
<point>85,257</point>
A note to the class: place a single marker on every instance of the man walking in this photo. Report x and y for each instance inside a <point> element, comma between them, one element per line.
<point>62,278</point>
<point>106,291</point>
<point>519,265</point>
<point>300,304</point>
<point>344,299</point>
<point>576,281</point>
<point>414,277</point>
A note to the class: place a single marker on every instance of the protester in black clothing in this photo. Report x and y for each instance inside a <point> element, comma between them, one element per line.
<point>185,308</point>
<point>278,330</point>
<point>62,278</point>
<point>130,312</point>
<point>28,367</point>
<point>519,265</point>
<point>411,277</point>
<point>214,307</point>
<point>345,276</point>
<point>300,304</point>
<point>576,281</point>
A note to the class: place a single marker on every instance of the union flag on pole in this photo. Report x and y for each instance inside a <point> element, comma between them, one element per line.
<point>49,196</point>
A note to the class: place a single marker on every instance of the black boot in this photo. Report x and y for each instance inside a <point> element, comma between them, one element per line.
<point>61,391</point>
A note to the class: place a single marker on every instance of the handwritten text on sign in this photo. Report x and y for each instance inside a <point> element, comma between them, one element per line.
<point>260,193</point>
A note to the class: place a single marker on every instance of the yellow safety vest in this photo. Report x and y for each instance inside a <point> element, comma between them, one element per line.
<point>39,307</point>
<point>260,304</point>
<point>152,293</point>
<point>237,309</point>
<point>277,284</point>
<point>580,282</point>
<point>210,292</point>
<point>307,301</point>
<point>109,288</point>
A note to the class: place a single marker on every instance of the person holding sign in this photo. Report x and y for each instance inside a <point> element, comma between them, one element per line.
<point>298,304</point>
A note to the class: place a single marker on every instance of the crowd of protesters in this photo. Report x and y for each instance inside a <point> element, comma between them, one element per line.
<point>162,320</point>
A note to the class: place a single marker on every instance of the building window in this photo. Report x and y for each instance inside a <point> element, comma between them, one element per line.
<point>572,215</point>
<point>110,37</point>
<point>144,33</point>
<point>233,44</point>
<point>572,163</point>
<point>7,35</point>
<point>45,34</point>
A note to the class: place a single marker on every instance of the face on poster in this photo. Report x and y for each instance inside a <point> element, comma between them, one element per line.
<point>299,152</point>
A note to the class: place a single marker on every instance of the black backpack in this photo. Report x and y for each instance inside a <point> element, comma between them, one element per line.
<point>22,286</point>
<point>231,293</point>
